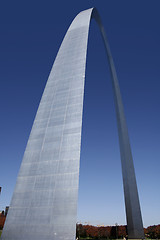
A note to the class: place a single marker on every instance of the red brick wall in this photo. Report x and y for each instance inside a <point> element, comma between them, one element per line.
<point>2,220</point>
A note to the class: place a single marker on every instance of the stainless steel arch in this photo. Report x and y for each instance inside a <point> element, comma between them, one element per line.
<point>133,212</point>
<point>44,202</point>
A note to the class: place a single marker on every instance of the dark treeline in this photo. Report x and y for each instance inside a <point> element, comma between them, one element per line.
<point>112,232</point>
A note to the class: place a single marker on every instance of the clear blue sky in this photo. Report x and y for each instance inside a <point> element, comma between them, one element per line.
<point>31,33</point>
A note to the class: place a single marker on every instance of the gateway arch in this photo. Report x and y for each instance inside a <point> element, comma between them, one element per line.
<point>44,202</point>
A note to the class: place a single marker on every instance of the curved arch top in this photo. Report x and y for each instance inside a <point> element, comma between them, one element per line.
<point>45,197</point>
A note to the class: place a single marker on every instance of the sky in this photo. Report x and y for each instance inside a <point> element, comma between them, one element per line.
<point>31,34</point>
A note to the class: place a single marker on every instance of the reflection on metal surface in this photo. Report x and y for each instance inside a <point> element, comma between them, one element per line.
<point>44,203</point>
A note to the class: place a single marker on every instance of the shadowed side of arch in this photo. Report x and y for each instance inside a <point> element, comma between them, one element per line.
<point>132,205</point>
<point>44,202</point>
